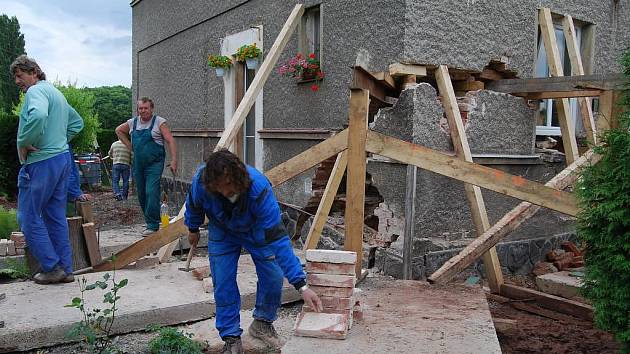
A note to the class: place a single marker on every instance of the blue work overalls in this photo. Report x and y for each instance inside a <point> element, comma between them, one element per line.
<point>148,163</point>
<point>253,222</point>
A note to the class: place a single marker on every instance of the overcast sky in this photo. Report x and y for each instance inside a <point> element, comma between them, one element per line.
<point>87,42</point>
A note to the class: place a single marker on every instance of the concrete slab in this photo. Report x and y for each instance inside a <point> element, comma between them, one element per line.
<point>112,241</point>
<point>560,284</point>
<point>412,317</point>
<point>35,315</point>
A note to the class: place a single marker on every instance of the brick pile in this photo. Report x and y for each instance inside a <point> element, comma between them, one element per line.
<point>567,258</point>
<point>331,275</point>
<point>13,246</point>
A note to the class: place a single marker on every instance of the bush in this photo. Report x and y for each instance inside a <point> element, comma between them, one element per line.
<point>8,222</point>
<point>9,163</point>
<point>105,138</point>
<point>604,226</point>
<point>83,103</point>
<point>173,341</point>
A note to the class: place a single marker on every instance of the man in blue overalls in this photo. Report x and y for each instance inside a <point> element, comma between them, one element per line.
<point>148,133</point>
<point>243,213</point>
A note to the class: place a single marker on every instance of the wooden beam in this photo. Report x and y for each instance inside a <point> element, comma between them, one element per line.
<point>261,77</point>
<point>398,69</point>
<point>410,221</point>
<point>507,224</point>
<point>556,303</point>
<point>468,85</point>
<point>485,177</point>
<point>85,210</point>
<point>363,79</point>
<point>473,193</point>
<point>555,69</point>
<point>321,216</point>
<point>307,159</point>
<point>557,94</point>
<point>577,68</point>
<point>609,110</point>
<point>558,84</point>
<point>355,180</point>
<point>91,242</point>
<point>385,78</point>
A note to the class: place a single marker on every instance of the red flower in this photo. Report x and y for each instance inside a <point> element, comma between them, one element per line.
<point>312,55</point>
<point>314,88</point>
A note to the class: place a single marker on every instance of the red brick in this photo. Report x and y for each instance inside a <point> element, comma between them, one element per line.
<point>322,325</point>
<point>332,291</point>
<point>200,273</point>
<point>333,304</point>
<point>18,238</point>
<point>330,268</point>
<point>570,247</point>
<point>334,280</point>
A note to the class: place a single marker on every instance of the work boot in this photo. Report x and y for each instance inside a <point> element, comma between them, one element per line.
<point>54,276</point>
<point>264,331</point>
<point>232,345</point>
<point>148,232</point>
<point>68,279</point>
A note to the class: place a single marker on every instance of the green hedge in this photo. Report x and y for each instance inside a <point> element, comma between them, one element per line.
<point>105,138</point>
<point>8,222</point>
<point>9,163</point>
<point>604,226</point>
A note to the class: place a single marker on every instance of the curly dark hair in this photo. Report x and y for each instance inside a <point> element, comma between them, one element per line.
<point>224,164</point>
<point>27,65</point>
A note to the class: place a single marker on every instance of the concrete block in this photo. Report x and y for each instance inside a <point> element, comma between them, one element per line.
<point>332,291</point>
<point>147,262</point>
<point>560,284</point>
<point>334,280</point>
<point>330,268</point>
<point>3,247</point>
<point>322,325</point>
<point>20,251</point>
<point>331,256</point>
<point>10,248</point>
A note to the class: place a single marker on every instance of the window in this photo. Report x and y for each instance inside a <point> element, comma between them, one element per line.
<point>547,118</point>
<point>311,32</point>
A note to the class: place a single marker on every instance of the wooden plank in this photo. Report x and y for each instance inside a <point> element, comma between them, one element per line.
<point>363,79</point>
<point>552,302</point>
<point>557,94</point>
<point>490,74</point>
<point>537,310</point>
<point>473,193</point>
<point>328,197</point>
<point>507,224</point>
<point>261,77</point>
<point>307,159</point>
<point>399,69</point>
<point>555,69</point>
<point>577,68</point>
<point>468,85</point>
<point>410,221</point>
<point>85,210</point>
<point>355,180</point>
<point>94,252</point>
<point>385,78</point>
<point>609,110</point>
<point>80,257</point>
<point>485,177</point>
<point>558,84</point>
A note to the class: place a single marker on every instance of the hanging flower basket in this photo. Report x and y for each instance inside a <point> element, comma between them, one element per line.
<point>220,72</point>
<point>249,54</point>
<point>303,69</point>
<point>220,63</point>
<point>252,63</point>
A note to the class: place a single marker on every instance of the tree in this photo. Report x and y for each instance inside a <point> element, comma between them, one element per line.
<point>82,101</point>
<point>11,46</point>
<point>604,226</point>
<point>112,104</point>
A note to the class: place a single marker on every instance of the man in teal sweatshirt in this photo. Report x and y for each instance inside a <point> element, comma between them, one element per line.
<point>47,123</point>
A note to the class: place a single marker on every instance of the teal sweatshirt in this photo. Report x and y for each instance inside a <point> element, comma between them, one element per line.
<point>47,122</point>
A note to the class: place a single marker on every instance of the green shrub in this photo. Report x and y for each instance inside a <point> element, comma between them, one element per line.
<point>604,226</point>
<point>9,163</point>
<point>83,102</point>
<point>8,222</point>
<point>105,138</point>
<point>172,341</point>
<point>15,269</point>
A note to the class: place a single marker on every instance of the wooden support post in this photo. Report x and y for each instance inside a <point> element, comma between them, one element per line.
<point>355,187</point>
<point>555,69</point>
<point>261,77</point>
<point>84,209</point>
<point>410,221</point>
<point>80,256</point>
<point>577,68</point>
<point>482,176</point>
<point>609,108</point>
<point>315,232</point>
<point>407,81</point>
<point>473,193</point>
<point>91,242</point>
<point>507,224</point>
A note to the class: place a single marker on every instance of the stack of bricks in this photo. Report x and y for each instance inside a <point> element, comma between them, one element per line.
<point>331,275</point>
<point>14,246</point>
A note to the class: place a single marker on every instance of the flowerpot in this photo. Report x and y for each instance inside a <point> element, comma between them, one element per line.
<point>220,71</point>
<point>252,63</point>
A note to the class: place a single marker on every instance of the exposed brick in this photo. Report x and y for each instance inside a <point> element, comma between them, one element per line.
<point>10,248</point>
<point>332,291</point>
<point>200,273</point>
<point>18,238</point>
<point>330,268</point>
<point>322,325</point>
<point>570,247</point>
<point>331,256</point>
<point>333,304</point>
<point>335,280</point>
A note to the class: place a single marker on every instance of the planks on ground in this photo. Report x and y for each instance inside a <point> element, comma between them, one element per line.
<point>507,224</point>
<point>482,176</point>
<point>473,193</point>
<point>556,303</point>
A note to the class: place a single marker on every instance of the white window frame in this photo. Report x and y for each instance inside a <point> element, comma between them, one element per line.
<point>542,70</point>
<point>229,46</point>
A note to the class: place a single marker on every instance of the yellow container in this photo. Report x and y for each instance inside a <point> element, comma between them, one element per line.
<point>164,219</point>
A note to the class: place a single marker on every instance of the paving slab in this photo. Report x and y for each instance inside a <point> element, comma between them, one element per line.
<point>560,284</point>
<point>412,317</point>
<point>34,315</point>
<point>114,240</point>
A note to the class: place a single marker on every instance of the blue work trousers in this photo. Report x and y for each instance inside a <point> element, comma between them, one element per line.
<point>120,171</point>
<point>224,252</point>
<point>41,211</point>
